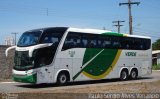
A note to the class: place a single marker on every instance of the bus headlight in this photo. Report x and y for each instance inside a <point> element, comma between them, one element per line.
<point>29,73</point>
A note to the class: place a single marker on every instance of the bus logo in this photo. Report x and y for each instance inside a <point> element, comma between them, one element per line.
<point>71,53</point>
<point>130,53</point>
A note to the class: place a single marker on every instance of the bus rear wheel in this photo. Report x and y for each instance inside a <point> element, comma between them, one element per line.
<point>62,79</point>
<point>124,75</point>
<point>133,74</point>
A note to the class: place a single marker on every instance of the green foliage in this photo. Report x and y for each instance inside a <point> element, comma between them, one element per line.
<point>156,67</point>
<point>156,45</point>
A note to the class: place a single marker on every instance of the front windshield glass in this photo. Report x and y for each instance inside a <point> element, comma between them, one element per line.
<point>29,38</point>
<point>22,60</point>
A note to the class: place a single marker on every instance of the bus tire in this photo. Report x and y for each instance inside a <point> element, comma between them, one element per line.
<point>124,75</point>
<point>134,74</point>
<point>62,78</point>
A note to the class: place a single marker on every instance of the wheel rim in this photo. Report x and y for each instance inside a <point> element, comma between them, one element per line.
<point>124,75</point>
<point>63,79</point>
<point>133,74</point>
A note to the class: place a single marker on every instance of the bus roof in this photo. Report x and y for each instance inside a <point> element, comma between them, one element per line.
<point>139,36</point>
<point>87,30</point>
<point>98,31</point>
<point>94,31</point>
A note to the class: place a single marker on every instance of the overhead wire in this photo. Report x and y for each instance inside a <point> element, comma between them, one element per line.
<point>52,12</point>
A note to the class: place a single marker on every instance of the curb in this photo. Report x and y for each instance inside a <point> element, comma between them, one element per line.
<point>7,82</point>
<point>156,70</point>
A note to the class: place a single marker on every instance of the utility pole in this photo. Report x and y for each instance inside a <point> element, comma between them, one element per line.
<point>104,28</point>
<point>118,24</point>
<point>130,14</point>
<point>15,36</point>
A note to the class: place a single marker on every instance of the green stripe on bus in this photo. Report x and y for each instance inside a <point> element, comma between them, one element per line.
<point>101,63</point>
<point>112,34</point>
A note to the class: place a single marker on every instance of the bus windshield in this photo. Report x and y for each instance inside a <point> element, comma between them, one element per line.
<point>29,38</point>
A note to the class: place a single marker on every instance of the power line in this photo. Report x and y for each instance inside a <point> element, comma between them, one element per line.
<point>130,14</point>
<point>50,12</point>
<point>144,33</point>
<point>118,25</point>
<point>150,5</point>
<point>47,11</point>
<point>146,30</point>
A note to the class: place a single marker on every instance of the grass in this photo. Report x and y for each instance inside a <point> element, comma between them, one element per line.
<point>156,67</point>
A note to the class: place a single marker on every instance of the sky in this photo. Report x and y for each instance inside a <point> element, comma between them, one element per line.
<point>22,15</point>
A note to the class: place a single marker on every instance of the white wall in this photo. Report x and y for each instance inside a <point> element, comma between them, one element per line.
<point>158,58</point>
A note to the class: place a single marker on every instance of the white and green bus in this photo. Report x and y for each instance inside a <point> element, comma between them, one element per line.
<point>64,54</point>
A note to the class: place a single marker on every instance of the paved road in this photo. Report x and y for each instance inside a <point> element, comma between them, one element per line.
<point>14,87</point>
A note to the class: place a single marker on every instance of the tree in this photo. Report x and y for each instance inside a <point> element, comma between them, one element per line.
<point>156,45</point>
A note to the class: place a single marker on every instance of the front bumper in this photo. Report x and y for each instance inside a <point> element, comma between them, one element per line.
<point>25,78</point>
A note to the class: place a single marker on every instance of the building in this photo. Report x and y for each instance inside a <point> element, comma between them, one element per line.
<point>156,57</point>
<point>9,41</point>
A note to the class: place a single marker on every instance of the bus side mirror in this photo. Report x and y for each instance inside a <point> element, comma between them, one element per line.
<point>7,50</point>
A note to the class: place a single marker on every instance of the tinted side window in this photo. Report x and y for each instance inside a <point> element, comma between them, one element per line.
<point>86,40</point>
<point>51,38</point>
<point>131,43</point>
<point>116,42</point>
<point>106,42</point>
<point>91,40</point>
<point>73,40</point>
<point>146,43</point>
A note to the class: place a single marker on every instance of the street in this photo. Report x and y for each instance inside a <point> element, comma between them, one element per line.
<point>15,87</point>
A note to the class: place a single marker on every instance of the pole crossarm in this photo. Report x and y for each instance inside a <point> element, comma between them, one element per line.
<point>129,3</point>
<point>118,24</point>
<point>130,14</point>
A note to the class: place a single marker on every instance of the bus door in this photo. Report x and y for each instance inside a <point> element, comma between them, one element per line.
<point>66,60</point>
<point>44,56</point>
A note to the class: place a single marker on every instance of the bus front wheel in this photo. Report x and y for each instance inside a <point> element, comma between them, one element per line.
<point>62,79</point>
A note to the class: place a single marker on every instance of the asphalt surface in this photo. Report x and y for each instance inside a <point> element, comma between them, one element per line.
<point>15,87</point>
